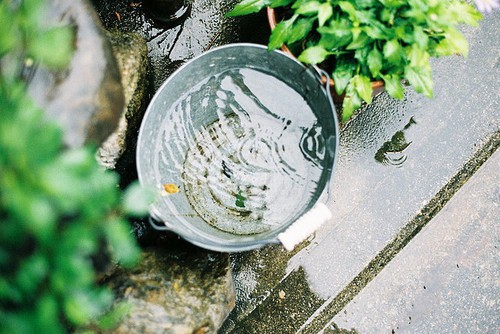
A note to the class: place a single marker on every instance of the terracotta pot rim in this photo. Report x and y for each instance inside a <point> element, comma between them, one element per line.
<point>271,19</point>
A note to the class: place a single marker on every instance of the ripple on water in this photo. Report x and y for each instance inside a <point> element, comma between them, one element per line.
<point>247,161</point>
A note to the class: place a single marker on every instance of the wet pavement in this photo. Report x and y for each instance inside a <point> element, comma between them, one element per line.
<point>169,47</point>
<point>400,163</point>
<point>446,278</point>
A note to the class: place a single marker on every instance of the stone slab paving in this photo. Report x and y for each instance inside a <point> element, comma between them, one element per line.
<point>446,280</point>
<point>381,198</point>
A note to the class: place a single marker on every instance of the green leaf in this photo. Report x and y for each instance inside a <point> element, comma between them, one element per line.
<point>137,199</point>
<point>337,35</point>
<point>442,48</point>
<point>394,3</point>
<point>77,181</point>
<point>246,7</point>
<point>83,305</point>
<point>80,238</point>
<point>393,86</point>
<point>420,79</point>
<point>348,8</point>
<point>420,37</point>
<point>463,12</point>
<point>279,3</point>
<point>300,29</point>
<point>112,318</point>
<point>240,200</point>
<point>361,55</point>
<point>366,17</point>
<point>351,102</point>
<point>53,47</point>
<point>325,11</point>
<point>343,73</point>
<point>31,273</point>
<point>313,55</point>
<point>9,291</point>
<point>388,15</point>
<point>363,87</point>
<point>366,3</point>
<point>279,35</point>
<point>417,56</point>
<point>393,52</point>
<point>360,39</point>
<point>31,11</point>
<point>341,79</point>
<point>41,218</point>
<point>70,271</point>
<point>457,41</point>
<point>418,11</point>
<point>375,62</point>
<point>308,8</point>
<point>119,235</point>
<point>404,32</point>
<point>376,30</point>
<point>76,312</point>
<point>7,33</point>
<point>47,315</point>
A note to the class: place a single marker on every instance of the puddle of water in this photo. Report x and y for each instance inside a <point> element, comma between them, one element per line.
<point>167,12</point>
<point>245,162</point>
<point>392,151</point>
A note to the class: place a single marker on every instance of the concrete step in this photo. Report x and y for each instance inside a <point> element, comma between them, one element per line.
<point>446,279</point>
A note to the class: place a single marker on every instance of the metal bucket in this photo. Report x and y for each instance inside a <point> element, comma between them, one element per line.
<point>244,140</point>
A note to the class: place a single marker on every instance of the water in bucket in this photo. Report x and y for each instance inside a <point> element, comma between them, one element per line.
<point>243,159</point>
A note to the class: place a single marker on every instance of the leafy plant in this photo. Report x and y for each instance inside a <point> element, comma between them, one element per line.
<point>360,41</point>
<point>240,200</point>
<point>58,207</point>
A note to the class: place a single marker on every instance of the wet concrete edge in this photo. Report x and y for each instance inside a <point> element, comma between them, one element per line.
<point>428,212</point>
<point>320,312</point>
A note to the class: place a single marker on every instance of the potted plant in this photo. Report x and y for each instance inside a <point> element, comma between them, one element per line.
<point>365,44</point>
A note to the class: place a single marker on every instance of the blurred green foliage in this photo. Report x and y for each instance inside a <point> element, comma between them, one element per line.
<point>58,207</point>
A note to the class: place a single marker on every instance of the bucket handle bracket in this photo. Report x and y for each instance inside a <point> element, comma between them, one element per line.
<point>304,226</point>
<point>157,223</point>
